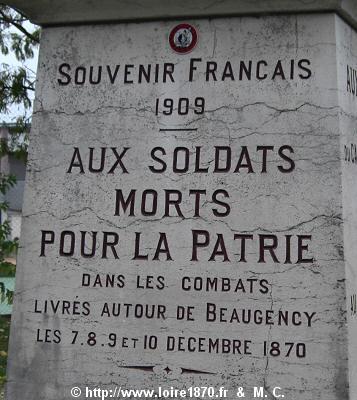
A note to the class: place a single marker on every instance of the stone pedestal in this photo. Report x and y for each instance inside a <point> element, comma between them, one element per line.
<point>190,210</point>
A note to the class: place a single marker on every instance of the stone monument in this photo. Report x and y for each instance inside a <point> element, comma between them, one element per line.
<point>190,208</point>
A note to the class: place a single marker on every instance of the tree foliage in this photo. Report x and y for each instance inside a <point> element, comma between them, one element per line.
<point>18,38</point>
<point>16,83</point>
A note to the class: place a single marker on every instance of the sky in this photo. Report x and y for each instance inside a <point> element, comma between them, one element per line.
<point>10,59</point>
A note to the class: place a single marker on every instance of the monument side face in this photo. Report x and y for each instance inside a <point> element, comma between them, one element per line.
<point>347,75</point>
<point>183,212</point>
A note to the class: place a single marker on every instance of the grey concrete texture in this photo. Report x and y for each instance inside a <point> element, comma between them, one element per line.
<point>63,12</point>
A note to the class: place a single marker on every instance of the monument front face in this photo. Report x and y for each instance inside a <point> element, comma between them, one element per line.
<point>182,220</point>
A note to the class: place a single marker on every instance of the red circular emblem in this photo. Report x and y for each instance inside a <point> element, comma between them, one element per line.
<point>183,38</point>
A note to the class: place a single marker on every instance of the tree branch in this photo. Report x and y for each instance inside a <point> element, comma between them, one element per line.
<point>18,26</point>
<point>4,87</point>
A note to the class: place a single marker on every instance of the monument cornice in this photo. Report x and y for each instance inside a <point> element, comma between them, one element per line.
<point>67,12</point>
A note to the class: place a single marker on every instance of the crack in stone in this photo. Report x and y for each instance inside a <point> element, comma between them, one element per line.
<point>266,369</point>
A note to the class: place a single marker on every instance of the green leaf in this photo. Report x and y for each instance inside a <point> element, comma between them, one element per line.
<point>7,269</point>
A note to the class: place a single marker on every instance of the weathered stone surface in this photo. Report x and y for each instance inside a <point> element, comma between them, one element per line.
<point>294,104</point>
<point>86,11</point>
<point>346,43</point>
